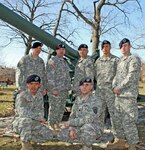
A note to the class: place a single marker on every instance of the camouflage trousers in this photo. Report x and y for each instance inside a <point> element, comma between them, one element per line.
<point>31,130</point>
<point>107,99</point>
<point>126,114</point>
<point>87,134</point>
<point>56,107</point>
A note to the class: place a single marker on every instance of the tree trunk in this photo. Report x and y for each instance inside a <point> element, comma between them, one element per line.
<point>95,40</point>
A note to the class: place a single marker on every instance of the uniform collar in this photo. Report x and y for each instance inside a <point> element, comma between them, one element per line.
<point>82,59</point>
<point>125,57</point>
<point>107,58</point>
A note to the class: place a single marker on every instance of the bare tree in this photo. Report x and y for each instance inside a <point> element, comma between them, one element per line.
<point>102,23</point>
<point>30,10</point>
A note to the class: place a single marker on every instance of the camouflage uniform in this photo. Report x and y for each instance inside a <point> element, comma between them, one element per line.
<point>126,110</point>
<point>58,79</point>
<point>28,66</point>
<point>84,120</point>
<point>105,70</point>
<point>84,68</point>
<point>29,110</point>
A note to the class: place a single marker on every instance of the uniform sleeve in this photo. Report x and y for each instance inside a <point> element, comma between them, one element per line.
<point>68,79</point>
<point>44,77</point>
<point>133,74</point>
<point>20,83</point>
<point>89,69</point>
<point>22,108</point>
<point>73,111</point>
<point>114,84</point>
<point>50,71</point>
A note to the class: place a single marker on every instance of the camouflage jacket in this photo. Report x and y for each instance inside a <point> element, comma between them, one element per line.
<point>28,106</point>
<point>127,76</point>
<point>84,68</point>
<point>58,74</point>
<point>28,66</point>
<point>85,110</point>
<point>105,71</point>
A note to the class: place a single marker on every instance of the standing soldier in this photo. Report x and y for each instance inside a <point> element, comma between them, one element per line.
<point>31,64</point>
<point>83,124</point>
<point>105,70</point>
<point>29,121</point>
<point>125,87</point>
<point>84,68</point>
<point>59,83</point>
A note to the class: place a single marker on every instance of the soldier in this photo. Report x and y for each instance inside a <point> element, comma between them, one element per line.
<point>59,83</point>
<point>29,122</point>
<point>84,67</point>
<point>105,70</point>
<point>83,124</point>
<point>31,64</point>
<point>125,87</point>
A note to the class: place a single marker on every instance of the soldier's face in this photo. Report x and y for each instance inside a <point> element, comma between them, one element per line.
<point>60,52</point>
<point>37,50</point>
<point>83,52</point>
<point>86,88</point>
<point>106,49</point>
<point>33,87</point>
<point>125,49</point>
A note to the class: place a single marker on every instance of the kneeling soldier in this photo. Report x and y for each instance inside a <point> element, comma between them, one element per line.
<point>83,124</point>
<point>29,122</point>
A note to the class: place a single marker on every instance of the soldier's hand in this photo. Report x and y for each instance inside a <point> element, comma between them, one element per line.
<point>44,92</point>
<point>43,121</point>
<point>117,90</point>
<point>66,124</point>
<point>20,91</point>
<point>55,93</point>
<point>72,134</point>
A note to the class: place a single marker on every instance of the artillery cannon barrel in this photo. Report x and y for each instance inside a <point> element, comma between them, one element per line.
<point>22,24</point>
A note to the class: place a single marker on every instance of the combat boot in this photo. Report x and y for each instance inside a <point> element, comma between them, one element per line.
<point>117,144</point>
<point>132,147</point>
<point>26,146</point>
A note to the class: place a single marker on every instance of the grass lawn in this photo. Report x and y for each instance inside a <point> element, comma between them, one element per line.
<point>142,88</point>
<point>6,100</point>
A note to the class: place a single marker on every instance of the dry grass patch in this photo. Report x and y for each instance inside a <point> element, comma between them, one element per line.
<point>142,88</point>
<point>6,101</point>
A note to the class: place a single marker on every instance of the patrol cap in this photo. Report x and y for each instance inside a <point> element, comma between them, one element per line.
<point>36,44</point>
<point>123,41</point>
<point>105,42</point>
<point>82,46</point>
<point>85,80</point>
<point>60,46</point>
<point>33,78</point>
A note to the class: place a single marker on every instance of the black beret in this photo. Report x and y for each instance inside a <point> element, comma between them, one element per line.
<point>33,78</point>
<point>105,42</point>
<point>123,41</point>
<point>36,44</point>
<point>85,80</point>
<point>60,46</point>
<point>82,46</point>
